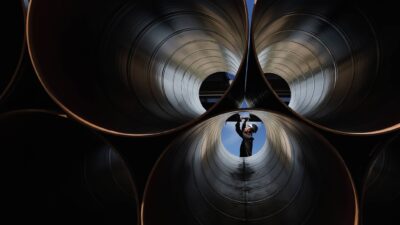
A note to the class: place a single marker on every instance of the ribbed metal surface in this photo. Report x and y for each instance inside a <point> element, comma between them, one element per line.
<point>296,178</point>
<point>338,58</point>
<point>134,67</point>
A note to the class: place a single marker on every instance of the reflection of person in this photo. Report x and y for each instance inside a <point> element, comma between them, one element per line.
<point>246,133</point>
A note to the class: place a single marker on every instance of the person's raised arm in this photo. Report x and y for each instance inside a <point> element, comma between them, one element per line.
<point>238,131</point>
<point>244,123</point>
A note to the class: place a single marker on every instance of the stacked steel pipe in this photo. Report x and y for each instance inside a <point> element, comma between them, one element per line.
<point>103,124</point>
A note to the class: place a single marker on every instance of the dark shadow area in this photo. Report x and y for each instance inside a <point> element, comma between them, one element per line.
<point>13,42</point>
<point>213,88</point>
<point>62,173</point>
<point>382,186</point>
<point>280,86</point>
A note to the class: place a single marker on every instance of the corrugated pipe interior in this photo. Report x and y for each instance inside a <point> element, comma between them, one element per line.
<point>134,67</point>
<point>296,178</point>
<point>338,57</point>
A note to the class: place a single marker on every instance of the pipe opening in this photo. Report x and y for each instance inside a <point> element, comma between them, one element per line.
<point>213,88</point>
<point>296,178</point>
<point>134,67</point>
<point>382,185</point>
<point>235,142</point>
<point>280,85</point>
<point>65,173</point>
<point>336,58</point>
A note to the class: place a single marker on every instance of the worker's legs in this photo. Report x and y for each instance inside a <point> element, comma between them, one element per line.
<point>245,152</point>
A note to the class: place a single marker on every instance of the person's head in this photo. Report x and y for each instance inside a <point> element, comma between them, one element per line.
<point>251,128</point>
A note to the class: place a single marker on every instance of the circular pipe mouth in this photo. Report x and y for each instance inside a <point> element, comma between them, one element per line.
<point>13,50</point>
<point>235,142</point>
<point>134,67</point>
<point>381,191</point>
<point>337,59</point>
<point>65,172</point>
<point>297,178</point>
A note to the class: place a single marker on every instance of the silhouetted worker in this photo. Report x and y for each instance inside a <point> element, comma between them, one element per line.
<point>246,133</point>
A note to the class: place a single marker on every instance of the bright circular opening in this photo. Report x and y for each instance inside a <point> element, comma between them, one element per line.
<point>280,86</point>
<point>243,134</point>
<point>214,87</point>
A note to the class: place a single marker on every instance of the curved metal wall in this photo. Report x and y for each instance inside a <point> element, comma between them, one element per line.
<point>132,70</point>
<point>296,178</point>
<point>336,56</point>
<point>134,67</point>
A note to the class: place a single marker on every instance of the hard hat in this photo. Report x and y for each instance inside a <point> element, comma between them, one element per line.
<point>253,127</point>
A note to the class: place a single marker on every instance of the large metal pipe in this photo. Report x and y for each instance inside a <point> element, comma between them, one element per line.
<point>134,67</point>
<point>381,192</point>
<point>296,178</point>
<point>62,172</point>
<point>338,57</point>
<point>13,50</point>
